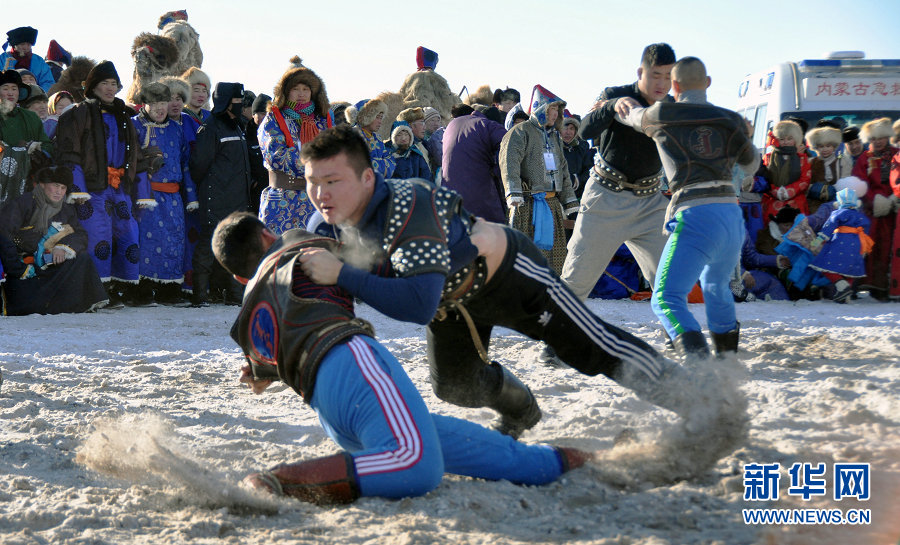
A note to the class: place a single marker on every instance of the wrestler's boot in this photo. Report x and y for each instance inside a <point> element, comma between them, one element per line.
<point>324,481</point>
<point>516,404</point>
<point>726,343</point>
<point>573,458</point>
<point>691,344</point>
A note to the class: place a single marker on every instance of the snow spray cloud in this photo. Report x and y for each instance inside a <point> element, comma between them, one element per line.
<point>141,447</point>
<point>713,426</point>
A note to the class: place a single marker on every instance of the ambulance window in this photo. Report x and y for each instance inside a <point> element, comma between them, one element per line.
<point>759,126</point>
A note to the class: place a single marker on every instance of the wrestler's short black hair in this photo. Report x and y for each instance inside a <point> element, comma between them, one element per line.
<point>659,54</point>
<point>341,139</point>
<point>236,243</point>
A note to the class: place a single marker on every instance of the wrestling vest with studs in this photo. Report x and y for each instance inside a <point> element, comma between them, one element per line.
<point>417,226</point>
<point>283,336</point>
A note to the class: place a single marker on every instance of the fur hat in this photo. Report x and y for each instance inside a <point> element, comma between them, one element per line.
<point>12,76</point>
<point>155,92</point>
<point>785,129</point>
<point>541,99</point>
<point>366,112</point>
<point>896,137</point>
<point>823,136</point>
<point>411,115</point>
<point>177,86</point>
<point>260,103</point>
<point>510,94</point>
<point>295,76</point>
<point>482,95</point>
<point>426,59</point>
<point>248,98</point>
<point>569,120</point>
<point>850,134</point>
<point>103,71</point>
<point>21,35</point>
<point>36,94</point>
<point>195,76</point>
<point>860,187</point>
<point>55,175</point>
<point>402,126</point>
<point>877,128</point>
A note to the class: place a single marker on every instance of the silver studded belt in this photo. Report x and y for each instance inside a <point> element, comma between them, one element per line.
<point>610,178</point>
<point>466,282</point>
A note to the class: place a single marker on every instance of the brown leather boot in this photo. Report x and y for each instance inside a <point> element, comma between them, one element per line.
<point>323,481</point>
<point>573,458</point>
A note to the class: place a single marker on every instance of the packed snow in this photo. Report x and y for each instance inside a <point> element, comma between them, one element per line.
<point>130,426</point>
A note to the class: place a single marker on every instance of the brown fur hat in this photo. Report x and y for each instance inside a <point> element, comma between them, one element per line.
<point>411,114</point>
<point>295,76</point>
<point>368,112</point>
<point>177,86</point>
<point>482,95</point>
<point>877,128</point>
<point>786,128</point>
<point>823,136</point>
<point>71,78</point>
<point>155,92</point>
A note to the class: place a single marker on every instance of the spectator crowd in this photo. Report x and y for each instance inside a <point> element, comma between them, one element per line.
<point>105,203</point>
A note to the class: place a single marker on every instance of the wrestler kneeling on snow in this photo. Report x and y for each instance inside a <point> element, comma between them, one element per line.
<point>306,335</point>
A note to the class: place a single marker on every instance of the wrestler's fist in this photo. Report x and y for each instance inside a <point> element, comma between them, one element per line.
<point>258,386</point>
<point>320,265</point>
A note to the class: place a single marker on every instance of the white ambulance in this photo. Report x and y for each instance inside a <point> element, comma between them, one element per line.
<point>845,87</point>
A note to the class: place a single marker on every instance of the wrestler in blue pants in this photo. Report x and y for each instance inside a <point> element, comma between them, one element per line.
<point>369,406</point>
<point>705,244</point>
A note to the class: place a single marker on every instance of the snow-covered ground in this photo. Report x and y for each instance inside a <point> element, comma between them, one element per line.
<point>131,427</point>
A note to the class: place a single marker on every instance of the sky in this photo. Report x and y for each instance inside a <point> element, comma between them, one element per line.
<point>574,48</point>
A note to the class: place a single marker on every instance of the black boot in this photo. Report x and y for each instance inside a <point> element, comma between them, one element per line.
<point>726,342</point>
<point>691,344</point>
<point>169,294</point>
<point>200,295</point>
<point>140,295</point>
<point>516,404</point>
<point>115,299</point>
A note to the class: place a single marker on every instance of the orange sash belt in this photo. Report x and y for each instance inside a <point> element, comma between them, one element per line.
<point>865,241</point>
<point>114,175</point>
<point>164,187</point>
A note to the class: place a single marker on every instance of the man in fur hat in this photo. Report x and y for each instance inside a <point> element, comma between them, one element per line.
<point>415,118</point>
<point>415,250</point>
<point>22,131</point>
<point>367,116</point>
<point>579,157</point>
<point>21,40</point>
<point>98,141</point>
<point>162,230</point>
<point>880,204</point>
<point>49,269</point>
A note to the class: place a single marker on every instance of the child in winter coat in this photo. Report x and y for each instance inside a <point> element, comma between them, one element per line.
<point>844,243</point>
<point>410,162</point>
<point>787,170</point>
<point>826,168</point>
